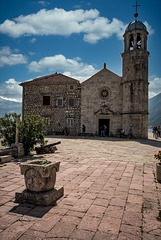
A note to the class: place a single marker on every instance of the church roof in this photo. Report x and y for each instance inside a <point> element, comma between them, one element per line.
<point>105,71</point>
<point>53,79</point>
<point>136,25</point>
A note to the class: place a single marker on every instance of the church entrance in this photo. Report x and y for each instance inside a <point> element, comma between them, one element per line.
<point>103,122</point>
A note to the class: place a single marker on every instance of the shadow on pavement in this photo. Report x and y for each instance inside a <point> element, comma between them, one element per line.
<point>31,210</point>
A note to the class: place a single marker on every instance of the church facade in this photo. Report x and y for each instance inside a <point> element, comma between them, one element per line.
<point>105,99</point>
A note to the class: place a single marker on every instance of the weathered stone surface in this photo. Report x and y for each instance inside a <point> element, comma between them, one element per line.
<point>41,198</point>
<point>39,177</point>
<point>16,150</point>
<point>6,158</point>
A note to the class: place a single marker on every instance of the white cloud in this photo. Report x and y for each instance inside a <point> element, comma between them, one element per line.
<point>64,23</point>
<point>43,3</point>
<point>149,28</point>
<point>155,85</point>
<point>7,57</point>
<point>10,90</point>
<point>33,40</point>
<point>71,67</point>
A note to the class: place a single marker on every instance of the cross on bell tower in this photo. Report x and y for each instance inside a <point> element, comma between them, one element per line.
<point>136,13</point>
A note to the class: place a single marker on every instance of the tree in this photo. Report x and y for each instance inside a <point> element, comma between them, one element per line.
<point>8,128</point>
<point>31,131</point>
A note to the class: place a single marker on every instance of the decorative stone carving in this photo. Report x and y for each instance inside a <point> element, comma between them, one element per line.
<point>39,175</point>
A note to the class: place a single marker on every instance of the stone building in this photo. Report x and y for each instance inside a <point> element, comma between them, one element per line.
<point>103,99</point>
<point>57,98</point>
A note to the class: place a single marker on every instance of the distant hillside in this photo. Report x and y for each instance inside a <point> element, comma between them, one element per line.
<point>155,111</point>
<point>9,106</point>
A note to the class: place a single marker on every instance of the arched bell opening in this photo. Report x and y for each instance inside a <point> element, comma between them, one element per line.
<point>138,42</point>
<point>131,42</point>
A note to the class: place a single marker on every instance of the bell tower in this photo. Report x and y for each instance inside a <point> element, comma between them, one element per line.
<point>135,78</point>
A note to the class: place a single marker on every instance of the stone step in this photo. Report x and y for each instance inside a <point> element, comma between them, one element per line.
<point>6,158</point>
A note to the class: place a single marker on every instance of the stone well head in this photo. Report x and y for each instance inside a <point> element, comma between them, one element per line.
<point>40,175</point>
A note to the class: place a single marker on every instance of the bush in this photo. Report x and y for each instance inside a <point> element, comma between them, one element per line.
<point>8,128</point>
<point>31,131</point>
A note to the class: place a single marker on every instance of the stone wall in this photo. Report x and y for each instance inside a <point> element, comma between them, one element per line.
<point>16,150</point>
<point>63,110</point>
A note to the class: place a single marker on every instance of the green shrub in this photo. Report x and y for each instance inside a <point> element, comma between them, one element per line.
<point>31,131</point>
<point>8,128</point>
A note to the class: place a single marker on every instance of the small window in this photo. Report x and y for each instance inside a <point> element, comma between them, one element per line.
<point>71,102</point>
<point>46,100</point>
<point>59,102</point>
<point>70,122</point>
<point>71,87</point>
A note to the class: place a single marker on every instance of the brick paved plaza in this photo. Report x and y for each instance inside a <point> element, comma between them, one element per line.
<point>110,193</point>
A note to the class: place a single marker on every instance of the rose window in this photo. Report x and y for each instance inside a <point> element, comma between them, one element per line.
<point>104,93</point>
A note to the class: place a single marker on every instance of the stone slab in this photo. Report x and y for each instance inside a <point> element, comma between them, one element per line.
<point>6,158</point>
<point>41,198</point>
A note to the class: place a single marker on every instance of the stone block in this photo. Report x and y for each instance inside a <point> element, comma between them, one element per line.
<point>41,198</point>
<point>6,158</point>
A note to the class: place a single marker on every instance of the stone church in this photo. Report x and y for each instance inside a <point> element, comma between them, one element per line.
<point>103,99</point>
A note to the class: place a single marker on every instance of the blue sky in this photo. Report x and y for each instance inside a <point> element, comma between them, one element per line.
<point>72,37</point>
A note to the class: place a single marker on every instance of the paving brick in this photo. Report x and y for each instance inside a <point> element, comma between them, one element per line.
<point>61,230</point>
<point>152,226</point>
<point>46,224</point>
<point>101,202</point>
<point>89,223</point>
<point>82,205</point>
<point>71,219</point>
<point>7,219</point>
<point>132,218</point>
<point>118,202</point>
<point>136,231</point>
<point>149,236</point>
<point>32,235</point>
<point>104,236</point>
<point>114,211</point>
<point>75,213</point>
<point>110,225</point>
<point>96,211</point>
<point>133,207</point>
<point>82,234</point>
<point>15,230</point>
<point>127,236</point>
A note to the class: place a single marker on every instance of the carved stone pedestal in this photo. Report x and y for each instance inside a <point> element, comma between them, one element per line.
<point>40,179</point>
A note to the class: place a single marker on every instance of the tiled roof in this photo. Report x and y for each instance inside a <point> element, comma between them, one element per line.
<point>54,79</point>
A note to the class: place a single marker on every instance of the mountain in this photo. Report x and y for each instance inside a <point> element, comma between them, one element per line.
<point>9,107</point>
<point>155,111</point>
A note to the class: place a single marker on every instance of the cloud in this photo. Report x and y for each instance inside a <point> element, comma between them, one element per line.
<point>7,57</point>
<point>71,67</point>
<point>11,91</point>
<point>149,28</point>
<point>43,3</point>
<point>64,23</point>
<point>155,85</point>
<point>33,40</point>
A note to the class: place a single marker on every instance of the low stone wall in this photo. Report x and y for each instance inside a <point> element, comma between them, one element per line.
<point>16,150</point>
